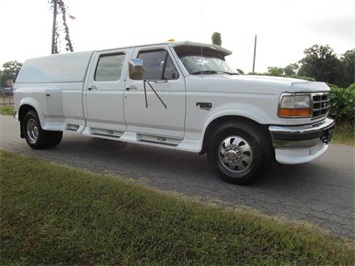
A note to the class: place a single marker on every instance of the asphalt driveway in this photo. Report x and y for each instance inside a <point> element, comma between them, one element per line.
<point>321,192</point>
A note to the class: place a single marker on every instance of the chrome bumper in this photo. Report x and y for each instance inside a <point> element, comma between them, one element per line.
<point>302,136</point>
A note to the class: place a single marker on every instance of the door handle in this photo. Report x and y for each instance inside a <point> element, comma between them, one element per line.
<point>92,88</point>
<point>132,87</point>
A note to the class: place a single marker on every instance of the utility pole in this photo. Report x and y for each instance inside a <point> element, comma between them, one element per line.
<point>55,2</point>
<point>254,53</point>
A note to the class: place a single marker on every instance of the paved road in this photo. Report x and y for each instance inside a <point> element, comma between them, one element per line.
<point>321,192</point>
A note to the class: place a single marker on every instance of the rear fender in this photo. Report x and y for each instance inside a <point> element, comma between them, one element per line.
<point>26,105</point>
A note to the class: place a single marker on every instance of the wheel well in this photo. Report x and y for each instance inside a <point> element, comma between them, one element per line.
<point>228,119</point>
<point>21,114</point>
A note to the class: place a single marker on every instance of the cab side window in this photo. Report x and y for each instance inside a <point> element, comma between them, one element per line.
<point>158,65</point>
<point>109,67</point>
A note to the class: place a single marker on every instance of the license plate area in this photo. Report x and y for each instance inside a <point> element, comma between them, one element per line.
<point>327,135</point>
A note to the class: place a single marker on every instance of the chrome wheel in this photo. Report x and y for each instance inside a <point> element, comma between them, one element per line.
<point>32,131</point>
<point>35,136</point>
<point>239,152</point>
<point>235,154</point>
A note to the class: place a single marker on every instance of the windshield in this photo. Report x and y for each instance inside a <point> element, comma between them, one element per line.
<point>203,60</point>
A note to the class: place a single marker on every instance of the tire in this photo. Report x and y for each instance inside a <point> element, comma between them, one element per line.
<point>239,153</point>
<point>35,136</point>
<point>54,138</point>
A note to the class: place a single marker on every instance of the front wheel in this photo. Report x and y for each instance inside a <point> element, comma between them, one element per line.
<point>239,153</point>
<point>35,136</point>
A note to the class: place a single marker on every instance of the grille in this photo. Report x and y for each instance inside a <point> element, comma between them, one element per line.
<point>321,104</point>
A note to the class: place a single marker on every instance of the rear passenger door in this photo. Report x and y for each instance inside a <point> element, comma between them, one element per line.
<point>104,93</point>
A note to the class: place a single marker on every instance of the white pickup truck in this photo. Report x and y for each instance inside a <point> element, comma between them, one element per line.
<point>177,95</point>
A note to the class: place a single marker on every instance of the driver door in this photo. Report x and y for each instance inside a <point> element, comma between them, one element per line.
<point>154,104</point>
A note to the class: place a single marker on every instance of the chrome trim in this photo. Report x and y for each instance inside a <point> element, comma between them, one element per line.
<point>321,106</point>
<point>300,136</point>
<point>295,144</point>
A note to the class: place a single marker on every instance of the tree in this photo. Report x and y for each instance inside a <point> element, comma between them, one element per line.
<point>61,8</point>
<point>291,69</point>
<point>216,38</point>
<point>348,62</point>
<point>322,64</point>
<point>275,71</point>
<point>10,71</point>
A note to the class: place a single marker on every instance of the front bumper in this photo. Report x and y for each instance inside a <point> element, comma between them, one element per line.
<point>300,144</point>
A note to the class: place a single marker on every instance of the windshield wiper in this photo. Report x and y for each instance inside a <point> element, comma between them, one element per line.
<point>229,73</point>
<point>211,72</point>
<point>201,72</point>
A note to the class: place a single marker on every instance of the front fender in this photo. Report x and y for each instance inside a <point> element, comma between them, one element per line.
<point>251,112</point>
<point>244,113</point>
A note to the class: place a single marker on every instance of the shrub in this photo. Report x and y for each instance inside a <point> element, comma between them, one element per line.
<point>342,103</point>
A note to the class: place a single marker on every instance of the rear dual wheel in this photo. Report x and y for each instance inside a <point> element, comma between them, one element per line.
<point>239,153</point>
<point>35,136</point>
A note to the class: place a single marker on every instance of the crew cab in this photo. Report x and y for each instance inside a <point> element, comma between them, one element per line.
<point>176,95</point>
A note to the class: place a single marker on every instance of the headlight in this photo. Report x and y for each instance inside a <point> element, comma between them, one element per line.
<point>295,106</point>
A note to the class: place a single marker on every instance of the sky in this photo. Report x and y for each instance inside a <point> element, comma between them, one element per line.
<point>284,28</point>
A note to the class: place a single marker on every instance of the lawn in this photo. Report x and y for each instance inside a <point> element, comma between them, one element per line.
<point>52,214</point>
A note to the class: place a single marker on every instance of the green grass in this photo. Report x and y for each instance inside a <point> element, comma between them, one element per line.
<point>6,110</point>
<point>344,133</point>
<point>51,214</point>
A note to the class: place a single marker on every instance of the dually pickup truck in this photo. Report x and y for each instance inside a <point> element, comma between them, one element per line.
<point>177,95</point>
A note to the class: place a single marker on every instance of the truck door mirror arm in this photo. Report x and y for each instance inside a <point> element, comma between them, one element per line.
<point>145,94</point>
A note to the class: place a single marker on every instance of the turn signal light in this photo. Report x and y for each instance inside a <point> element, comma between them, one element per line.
<point>301,112</point>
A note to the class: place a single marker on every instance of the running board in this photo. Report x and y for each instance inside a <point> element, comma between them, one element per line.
<point>106,133</point>
<point>144,138</point>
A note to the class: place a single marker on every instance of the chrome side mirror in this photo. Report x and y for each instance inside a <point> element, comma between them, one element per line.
<point>136,69</point>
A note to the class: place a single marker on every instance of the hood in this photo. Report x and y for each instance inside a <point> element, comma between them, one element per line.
<point>255,84</point>
<point>295,85</point>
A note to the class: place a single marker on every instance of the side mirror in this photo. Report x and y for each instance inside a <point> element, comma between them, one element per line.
<point>136,69</point>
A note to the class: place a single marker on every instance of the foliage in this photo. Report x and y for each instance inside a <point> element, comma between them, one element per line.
<point>348,61</point>
<point>343,103</point>
<point>291,69</point>
<point>275,71</point>
<point>322,64</point>
<point>279,72</point>
<point>10,71</point>
<point>296,76</point>
<point>216,38</point>
<point>344,133</point>
<point>6,110</point>
<point>55,215</point>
